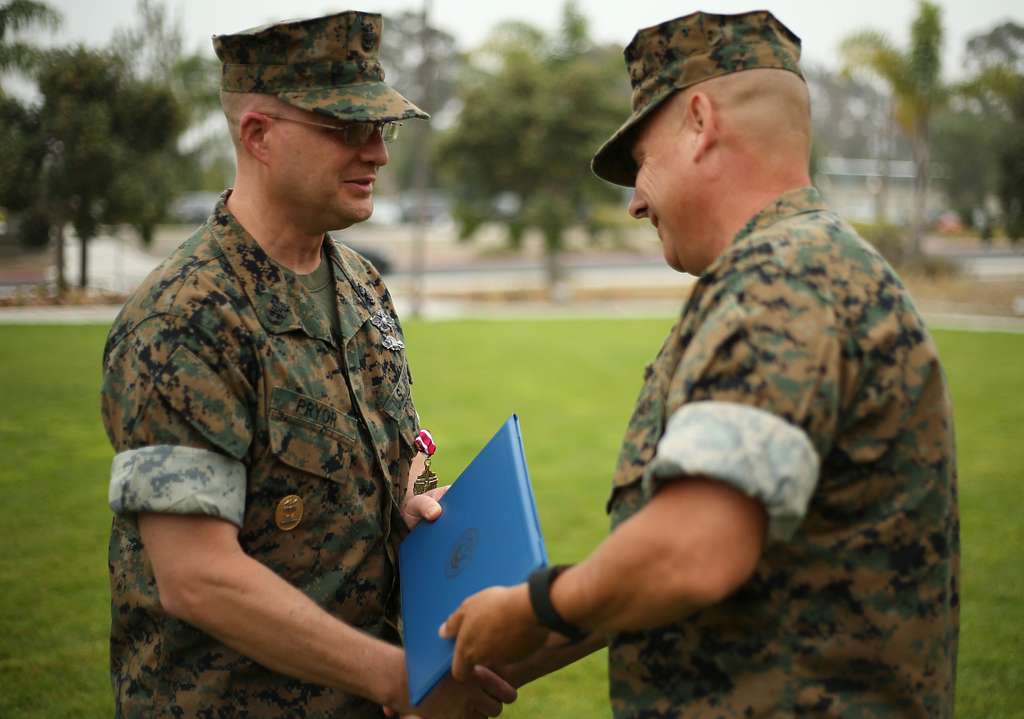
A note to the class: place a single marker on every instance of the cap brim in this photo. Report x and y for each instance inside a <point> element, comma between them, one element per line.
<point>614,160</point>
<point>358,102</point>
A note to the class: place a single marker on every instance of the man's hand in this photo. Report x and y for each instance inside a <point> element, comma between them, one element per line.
<point>484,695</point>
<point>493,628</point>
<point>422,506</point>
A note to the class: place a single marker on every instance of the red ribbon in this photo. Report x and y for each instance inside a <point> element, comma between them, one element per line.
<point>424,442</point>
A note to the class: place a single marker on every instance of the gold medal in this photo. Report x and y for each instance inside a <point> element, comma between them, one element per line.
<point>289,512</point>
<point>427,480</point>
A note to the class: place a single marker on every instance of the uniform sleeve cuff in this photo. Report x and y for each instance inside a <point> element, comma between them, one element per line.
<point>178,480</point>
<point>755,451</point>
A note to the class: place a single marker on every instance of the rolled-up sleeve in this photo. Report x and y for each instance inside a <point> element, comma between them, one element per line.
<point>754,451</point>
<point>176,409</point>
<point>754,401</point>
<point>178,480</point>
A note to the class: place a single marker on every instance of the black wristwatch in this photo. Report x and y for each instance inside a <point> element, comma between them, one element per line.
<point>539,585</point>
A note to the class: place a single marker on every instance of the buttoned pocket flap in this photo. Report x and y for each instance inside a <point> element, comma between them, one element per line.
<point>310,435</point>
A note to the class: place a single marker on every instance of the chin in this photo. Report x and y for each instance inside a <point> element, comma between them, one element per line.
<point>352,215</point>
<point>671,259</point>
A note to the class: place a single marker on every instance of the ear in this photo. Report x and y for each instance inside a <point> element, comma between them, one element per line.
<point>702,118</point>
<point>253,130</point>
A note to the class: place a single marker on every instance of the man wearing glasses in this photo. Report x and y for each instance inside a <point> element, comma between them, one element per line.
<point>257,394</point>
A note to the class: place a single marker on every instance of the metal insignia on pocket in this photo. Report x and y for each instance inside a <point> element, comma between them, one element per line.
<point>289,512</point>
<point>383,322</point>
<point>393,343</point>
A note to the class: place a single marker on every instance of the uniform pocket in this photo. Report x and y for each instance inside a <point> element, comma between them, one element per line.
<point>399,407</point>
<point>310,435</point>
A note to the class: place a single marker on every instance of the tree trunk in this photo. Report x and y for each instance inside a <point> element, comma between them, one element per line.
<point>885,170</point>
<point>62,282</point>
<point>921,158</point>
<point>558,290</point>
<point>83,264</point>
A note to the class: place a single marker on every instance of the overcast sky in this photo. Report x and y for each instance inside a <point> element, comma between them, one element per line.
<point>820,23</point>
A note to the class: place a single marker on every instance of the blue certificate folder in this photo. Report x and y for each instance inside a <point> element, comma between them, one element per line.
<point>487,535</point>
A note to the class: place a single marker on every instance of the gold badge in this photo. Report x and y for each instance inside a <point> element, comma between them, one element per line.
<point>289,512</point>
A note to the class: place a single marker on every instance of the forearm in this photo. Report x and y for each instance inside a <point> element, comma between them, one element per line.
<point>205,579</point>
<point>554,655</point>
<point>258,614</point>
<point>688,548</point>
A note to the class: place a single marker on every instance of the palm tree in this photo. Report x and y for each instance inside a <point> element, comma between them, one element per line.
<point>16,16</point>
<point>913,77</point>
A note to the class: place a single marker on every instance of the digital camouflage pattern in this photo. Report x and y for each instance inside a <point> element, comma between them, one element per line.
<point>224,351</point>
<point>327,64</point>
<point>857,613</point>
<point>683,52</point>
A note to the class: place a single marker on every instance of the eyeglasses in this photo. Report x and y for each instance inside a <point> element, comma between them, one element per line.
<point>353,134</point>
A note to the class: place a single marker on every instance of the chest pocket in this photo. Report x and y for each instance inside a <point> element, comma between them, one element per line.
<point>311,436</point>
<point>399,407</point>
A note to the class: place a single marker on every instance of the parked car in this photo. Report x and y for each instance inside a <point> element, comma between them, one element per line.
<point>376,257</point>
<point>436,209</point>
<point>192,207</point>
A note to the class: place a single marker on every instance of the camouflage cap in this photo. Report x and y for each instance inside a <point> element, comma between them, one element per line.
<point>683,52</point>
<point>327,64</point>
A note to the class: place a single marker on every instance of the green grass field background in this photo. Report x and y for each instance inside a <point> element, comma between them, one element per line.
<point>573,384</point>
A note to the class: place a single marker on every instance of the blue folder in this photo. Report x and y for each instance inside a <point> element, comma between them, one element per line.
<point>487,535</point>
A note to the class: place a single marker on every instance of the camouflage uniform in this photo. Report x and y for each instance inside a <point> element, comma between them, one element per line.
<point>801,374</point>
<point>226,393</point>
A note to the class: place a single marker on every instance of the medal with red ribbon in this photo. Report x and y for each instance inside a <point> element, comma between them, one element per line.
<point>427,480</point>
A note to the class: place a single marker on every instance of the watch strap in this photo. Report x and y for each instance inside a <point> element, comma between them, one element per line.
<point>539,585</point>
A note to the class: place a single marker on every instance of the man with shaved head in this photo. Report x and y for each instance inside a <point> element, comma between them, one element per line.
<point>257,393</point>
<point>785,535</point>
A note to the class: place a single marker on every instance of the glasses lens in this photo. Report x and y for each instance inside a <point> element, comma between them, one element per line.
<point>357,134</point>
<point>389,131</point>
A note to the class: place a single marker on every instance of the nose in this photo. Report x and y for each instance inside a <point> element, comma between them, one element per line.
<point>637,206</point>
<point>375,150</point>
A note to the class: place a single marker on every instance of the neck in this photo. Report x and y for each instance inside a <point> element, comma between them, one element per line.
<point>274,230</point>
<point>736,204</point>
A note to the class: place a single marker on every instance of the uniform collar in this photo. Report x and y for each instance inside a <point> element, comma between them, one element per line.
<point>356,301</point>
<point>280,301</point>
<point>789,204</point>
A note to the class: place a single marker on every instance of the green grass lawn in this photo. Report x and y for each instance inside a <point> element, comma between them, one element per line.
<point>573,385</point>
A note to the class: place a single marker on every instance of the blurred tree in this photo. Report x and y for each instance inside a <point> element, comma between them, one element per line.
<point>21,158</point>
<point>966,144</point>
<point>1011,186</point>
<point>103,132</point>
<point>914,81</point>
<point>153,49</point>
<point>21,164</point>
<point>535,107</point>
<point>997,91</point>
<point>422,62</point>
<point>16,16</point>
<point>1002,46</point>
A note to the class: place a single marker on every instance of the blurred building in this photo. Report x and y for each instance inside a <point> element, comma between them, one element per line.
<point>863,190</point>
